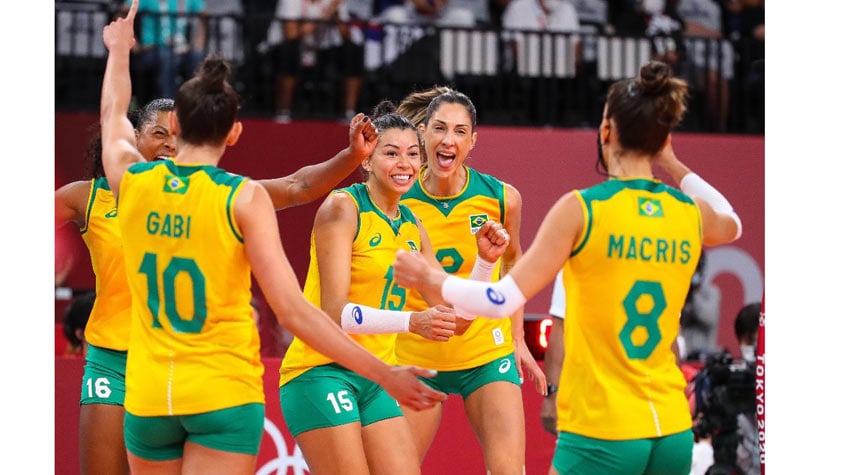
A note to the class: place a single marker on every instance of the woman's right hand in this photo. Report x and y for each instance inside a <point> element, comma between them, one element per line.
<point>436,323</point>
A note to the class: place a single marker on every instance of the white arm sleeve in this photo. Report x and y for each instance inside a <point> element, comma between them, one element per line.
<point>363,320</point>
<point>692,184</point>
<point>493,300</point>
<point>481,271</point>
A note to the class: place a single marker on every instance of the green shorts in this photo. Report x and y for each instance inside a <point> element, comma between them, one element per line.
<point>235,429</point>
<point>466,381</point>
<point>579,455</point>
<point>104,379</point>
<point>331,395</point>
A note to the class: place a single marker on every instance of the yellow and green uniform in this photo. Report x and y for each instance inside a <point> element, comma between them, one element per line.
<point>108,325</point>
<point>626,281</point>
<point>373,251</point>
<point>451,223</point>
<point>194,345</point>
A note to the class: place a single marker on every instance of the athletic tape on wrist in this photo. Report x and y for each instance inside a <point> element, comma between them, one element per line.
<point>482,270</point>
<point>362,320</point>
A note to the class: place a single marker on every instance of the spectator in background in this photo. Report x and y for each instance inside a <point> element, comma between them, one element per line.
<point>753,34</point>
<point>746,326</point>
<point>711,56</point>
<point>665,27</point>
<point>307,34</point>
<point>74,321</point>
<point>592,21</point>
<point>454,13</point>
<point>545,63</point>
<point>225,29</point>
<point>553,360</point>
<point>557,16</point>
<point>172,41</point>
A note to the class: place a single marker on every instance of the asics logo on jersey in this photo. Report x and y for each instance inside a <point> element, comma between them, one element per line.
<point>412,246</point>
<point>650,207</point>
<point>112,213</point>
<point>476,221</point>
<point>504,366</point>
<point>357,314</point>
<point>375,240</point>
<point>497,298</point>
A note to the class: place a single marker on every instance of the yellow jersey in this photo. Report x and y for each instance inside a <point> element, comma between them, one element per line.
<point>373,251</point>
<point>451,223</point>
<point>108,325</point>
<point>626,281</point>
<point>194,346</point>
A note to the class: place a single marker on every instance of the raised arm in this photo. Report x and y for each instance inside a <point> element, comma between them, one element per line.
<point>720,223</point>
<point>119,150</point>
<point>257,220</point>
<point>313,181</point>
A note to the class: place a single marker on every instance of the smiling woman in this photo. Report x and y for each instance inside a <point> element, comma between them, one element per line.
<point>357,231</point>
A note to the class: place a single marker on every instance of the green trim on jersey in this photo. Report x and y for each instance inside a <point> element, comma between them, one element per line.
<point>359,193</point>
<point>608,189</point>
<point>100,183</point>
<point>217,175</point>
<point>477,184</point>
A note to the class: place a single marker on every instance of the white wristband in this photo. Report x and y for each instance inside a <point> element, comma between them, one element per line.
<point>493,300</point>
<point>692,184</point>
<point>363,320</point>
<point>482,270</point>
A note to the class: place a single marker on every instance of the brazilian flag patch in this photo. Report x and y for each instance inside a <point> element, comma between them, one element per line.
<point>650,207</point>
<point>476,221</point>
<point>175,184</point>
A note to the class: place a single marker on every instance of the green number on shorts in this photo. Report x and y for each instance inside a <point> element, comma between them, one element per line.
<point>390,288</point>
<point>100,387</point>
<point>450,259</point>
<point>340,401</point>
<point>177,265</point>
<point>647,320</point>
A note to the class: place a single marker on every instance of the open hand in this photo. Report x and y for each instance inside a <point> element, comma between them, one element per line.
<point>404,385</point>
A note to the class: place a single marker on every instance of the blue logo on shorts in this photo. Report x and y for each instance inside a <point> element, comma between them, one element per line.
<point>496,297</point>
<point>358,315</point>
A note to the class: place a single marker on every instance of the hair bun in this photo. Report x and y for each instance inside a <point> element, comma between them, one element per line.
<point>654,77</point>
<point>383,108</point>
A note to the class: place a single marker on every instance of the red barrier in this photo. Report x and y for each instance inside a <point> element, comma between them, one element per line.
<point>455,449</point>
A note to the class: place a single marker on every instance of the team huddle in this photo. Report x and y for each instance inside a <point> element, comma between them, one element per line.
<point>414,291</point>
